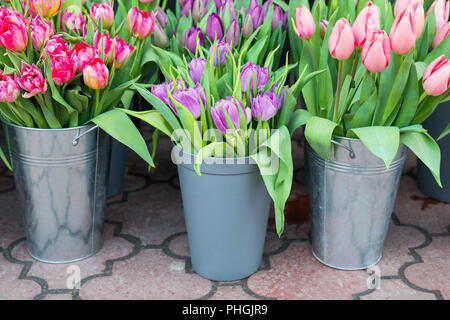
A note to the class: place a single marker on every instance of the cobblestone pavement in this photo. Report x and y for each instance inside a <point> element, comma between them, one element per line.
<point>146,256</point>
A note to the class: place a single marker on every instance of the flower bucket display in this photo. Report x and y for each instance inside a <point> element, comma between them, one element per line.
<point>348,226</point>
<point>226,212</point>
<point>363,112</point>
<point>63,71</point>
<point>60,176</point>
<point>435,124</point>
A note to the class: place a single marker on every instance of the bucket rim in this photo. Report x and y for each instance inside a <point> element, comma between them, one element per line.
<point>194,155</point>
<point>9,124</point>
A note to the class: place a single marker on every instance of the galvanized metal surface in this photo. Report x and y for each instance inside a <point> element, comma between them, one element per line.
<point>352,197</point>
<point>60,177</point>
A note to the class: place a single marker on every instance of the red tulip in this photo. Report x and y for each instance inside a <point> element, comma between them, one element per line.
<point>13,30</point>
<point>140,23</point>
<point>82,54</point>
<point>31,80</point>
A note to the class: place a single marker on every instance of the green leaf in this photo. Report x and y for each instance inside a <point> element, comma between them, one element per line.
<point>5,160</point>
<point>119,126</point>
<point>409,104</point>
<point>298,119</point>
<point>383,142</point>
<point>153,118</point>
<point>445,132</point>
<point>426,149</point>
<point>274,160</point>
<point>208,151</point>
<point>319,132</point>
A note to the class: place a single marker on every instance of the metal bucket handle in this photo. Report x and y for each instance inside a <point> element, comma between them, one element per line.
<point>78,135</point>
<point>350,150</point>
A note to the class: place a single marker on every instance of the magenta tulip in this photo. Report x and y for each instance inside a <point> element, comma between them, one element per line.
<point>376,52</point>
<point>9,89</point>
<point>436,77</point>
<point>96,74</point>
<point>107,43</point>
<point>41,31</point>
<point>403,32</point>
<point>82,53</point>
<point>13,30</point>
<point>74,22</point>
<point>103,11</point>
<point>31,80</point>
<point>342,42</point>
<point>140,23</point>
<point>63,69</point>
<point>367,21</point>
<point>122,51</point>
<point>304,23</point>
<point>55,46</point>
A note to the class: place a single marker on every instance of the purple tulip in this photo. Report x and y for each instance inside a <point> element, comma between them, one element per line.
<point>253,5</point>
<point>251,73</point>
<point>160,90</point>
<point>222,49</point>
<point>285,20</point>
<point>266,6</point>
<point>266,104</point>
<point>257,16</point>
<point>196,69</point>
<point>277,17</point>
<point>247,28</point>
<point>161,16</point>
<point>219,4</point>
<point>233,34</point>
<point>190,99</point>
<point>231,107</point>
<point>186,8</point>
<point>213,27</point>
<point>199,9</point>
<point>191,39</point>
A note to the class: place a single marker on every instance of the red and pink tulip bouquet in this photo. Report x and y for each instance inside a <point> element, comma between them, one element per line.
<point>386,70</point>
<point>64,65</point>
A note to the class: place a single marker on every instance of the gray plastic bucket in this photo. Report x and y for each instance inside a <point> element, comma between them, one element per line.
<point>226,212</point>
<point>60,177</point>
<point>427,184</point>
<point>352,197</point>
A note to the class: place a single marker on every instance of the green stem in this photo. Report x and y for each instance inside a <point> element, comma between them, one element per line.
<point>136,57</point>
<point>314,54</point>
<point>97,100</point>
<point>355,63</point>
<point>338,92</point>
<point>164,4</point>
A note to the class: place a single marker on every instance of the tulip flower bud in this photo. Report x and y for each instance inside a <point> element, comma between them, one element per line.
<point>252,74</point>
<point>55,46</point>
<point>13,30</point>
<point>9,89</point>
<point>107,44</point>
<point>342,42</point>
<point>403,32</point>
<point>247,28</point>
<point>41,30</point>
<point>186,8</point>
<point>183,39</point>
<point>266,6</point>
<point>367,21</point>
<point>46,8</point>
<point>198,10</point>
<point>96,74</point>
<point>265,105</point>
<point>257,16</point>
<point>401,5</point>
<point>31,80</point>
<point>222,109</point>
<point>277,17</point>
<point>419,16</point>
<point>103,11</point>
<point>285,20</point>
<point>161,16</point>
<point>441,12</point>
<point>304,25</point>
<point>214,27</point>
<point>122,51</point>
<point>228,14</point>
<point>233,36</point>
<point>223,49</point>
<point>191,39</point>
<point>82,53</point>
<point>376,52</point>
<point>323,28</point>
<point>436,77</point>
<point>253,4</point>
<point>441,34</point>
<point>189,98</point>
<point>75,22</point>
<point>63,69</point>
<point>160,37</point>
<point>196,69</point>
<point>140,23</point>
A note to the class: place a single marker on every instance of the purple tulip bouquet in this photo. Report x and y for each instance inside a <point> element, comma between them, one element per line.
<point>377,87</point>
<point>64,65</point>
<point>196,24</point>
<point>217,107</point>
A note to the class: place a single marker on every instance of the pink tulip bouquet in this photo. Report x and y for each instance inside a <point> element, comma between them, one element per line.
<point>386,70</point>
<point>65,65</point>
<point>244,113</point>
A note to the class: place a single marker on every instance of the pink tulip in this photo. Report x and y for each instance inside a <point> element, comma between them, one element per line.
<point>419,16</point>
<point>31,11</point>
<point>367,21</point>
<point>41,31</point>
<point>13,30</point>
<point>82,54</point>
<point>63,69</point>
<point>32,80</point>
<point>441,34</point>
<point>9,89</point>
<point>55,46</point>
<point>122,52</point>
<point>46,8</point>
<point>103,11</point>
<point>376,52</point>
<point>75,22</point>
<point>95,74</point>
<point>146,1</point>
<point>140,23</point>
<point>403,32</point>
<point>108,46</point>
<point>441,12</point>
<point>436,77</point>
<point>342,42</point>
<point>401,5</point>
<point>304,23</point>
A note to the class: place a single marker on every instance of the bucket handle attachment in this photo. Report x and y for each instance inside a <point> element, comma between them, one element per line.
<point>350,150</point>
<point>78,135</point>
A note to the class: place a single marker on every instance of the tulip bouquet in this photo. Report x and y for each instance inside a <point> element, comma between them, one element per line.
<point>243,114</point>
<point>196,24</point>
<point>377,87</point>
<point>63,66</point>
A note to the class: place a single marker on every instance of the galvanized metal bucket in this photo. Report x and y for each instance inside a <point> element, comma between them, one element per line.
<point>117,168</point>
<point>60,177</point>
<point>352,198</point>
<point>226,212</point>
